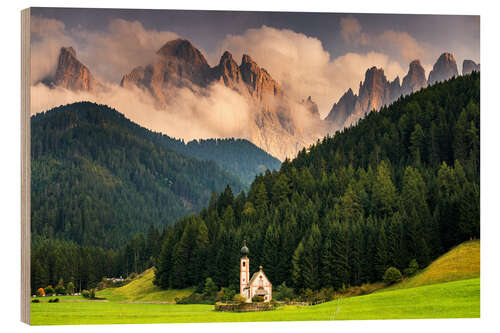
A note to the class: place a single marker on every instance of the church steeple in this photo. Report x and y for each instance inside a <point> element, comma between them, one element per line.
<point>245,272</point>
<point>244,250</point>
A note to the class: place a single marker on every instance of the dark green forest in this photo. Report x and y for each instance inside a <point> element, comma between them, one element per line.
<point>103,188</point>
<point>98,179</point>
<point>402,184</point>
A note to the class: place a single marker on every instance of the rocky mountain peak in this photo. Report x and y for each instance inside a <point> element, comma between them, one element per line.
<point>342,109</point>
<point>415,79</point>
<point>444,69</point>
<point>72,74</point>
<point>375,90</point>
<point>469,66</point>
<point>312,107</point>
<point>227,71</point>
<point>182,49</point>
<point>394,89</point>
<point>260,83</point>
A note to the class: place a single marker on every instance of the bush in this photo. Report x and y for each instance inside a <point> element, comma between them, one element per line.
<point>54,300</point>
<point>59,290</point>
<point>210,290</point>
<point>392,275</point>
<point>35,301</point>
<point>70,289</point>
<point>257,299</point>
<point>284,293</point>
<point>226,294</point>
<point>40,292</point>
<point>49,290</point>
<point>239,299</point>
<point>85,293</point>
<point>412,268</point>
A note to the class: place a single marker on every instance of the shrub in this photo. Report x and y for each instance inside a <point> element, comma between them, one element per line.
<point>392,275</point>
<point>54,300</point>
<point>40,292</point>
<point>70,289</point>
<point>49,290</point>
<point>257,299</point>
<point>226,294</point>
<point>239,299</point>
<point>412,268</point>
<point>35,301</point>
<point>59,290</point>
<point>85,293</point>
<point>210,290</point>
<point>284,293</point>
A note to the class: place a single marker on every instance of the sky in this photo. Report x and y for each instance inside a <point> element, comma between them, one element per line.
<point>310,54</point>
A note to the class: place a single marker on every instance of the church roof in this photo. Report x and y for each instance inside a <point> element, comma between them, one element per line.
<point>256,275</point>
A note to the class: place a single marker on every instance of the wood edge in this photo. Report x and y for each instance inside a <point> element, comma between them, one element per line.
<point>25,165</point>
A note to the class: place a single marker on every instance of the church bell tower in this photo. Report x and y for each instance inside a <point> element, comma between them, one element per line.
<point>244,272</point>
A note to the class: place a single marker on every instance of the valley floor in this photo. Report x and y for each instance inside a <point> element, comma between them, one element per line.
<point>457,299</point>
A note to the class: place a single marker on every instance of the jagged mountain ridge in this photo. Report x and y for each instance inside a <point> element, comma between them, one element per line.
<point>71,74</point>
<point>375,91</point>
<point>274,129</point>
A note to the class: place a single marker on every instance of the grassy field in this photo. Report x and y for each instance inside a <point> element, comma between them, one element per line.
<point>460,263</point>
<point>143,290</point>
<point>459,299</point>
<point>429,294</point>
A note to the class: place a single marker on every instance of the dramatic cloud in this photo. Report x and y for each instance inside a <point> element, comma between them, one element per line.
<point>108,54</point>
<point>303,67</point>
<point>47,38</point>
<point>215,111</point>
<point>351,31</point>
<point>393,42</point>
<point>122,47</point>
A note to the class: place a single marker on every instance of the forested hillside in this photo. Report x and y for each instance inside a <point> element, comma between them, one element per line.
<point>238,156</point>
<point>98,179</point>
<point>402,184</point>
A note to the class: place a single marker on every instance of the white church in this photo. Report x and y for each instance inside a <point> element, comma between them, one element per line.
<point>258,285</point>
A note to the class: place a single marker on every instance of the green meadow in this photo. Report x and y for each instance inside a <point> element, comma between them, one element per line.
<point>458,299</point>
<point>448,288</point>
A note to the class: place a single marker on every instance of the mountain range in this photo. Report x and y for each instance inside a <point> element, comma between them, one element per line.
<point>275,126</point>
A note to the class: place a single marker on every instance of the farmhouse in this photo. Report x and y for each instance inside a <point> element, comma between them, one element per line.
<point>258,285</point>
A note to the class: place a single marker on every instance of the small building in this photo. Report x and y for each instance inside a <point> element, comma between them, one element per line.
<point>258,285</point>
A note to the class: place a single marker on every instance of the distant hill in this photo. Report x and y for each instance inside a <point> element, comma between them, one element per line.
<point>98,178</point>
<point>238,156</point>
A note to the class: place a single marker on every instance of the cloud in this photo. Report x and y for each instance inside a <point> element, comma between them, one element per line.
<point>109,54</point>
<point>398,43</point>
<point>122,47</point>
<point>303,67</point>
<point>351,31</point>
<point>215,111</point>
<point>47,38</point>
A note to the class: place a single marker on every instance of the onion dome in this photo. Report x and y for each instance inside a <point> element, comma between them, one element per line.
<point>244,249</point>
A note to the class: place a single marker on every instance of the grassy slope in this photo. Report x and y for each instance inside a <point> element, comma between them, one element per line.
<point>142,289</point>
<point>458,299</point>
<point>460,263</point>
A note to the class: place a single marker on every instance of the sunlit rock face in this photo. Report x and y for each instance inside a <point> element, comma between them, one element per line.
<point>72,74</point>
<point>445,68</point>
<point>415,79</point>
